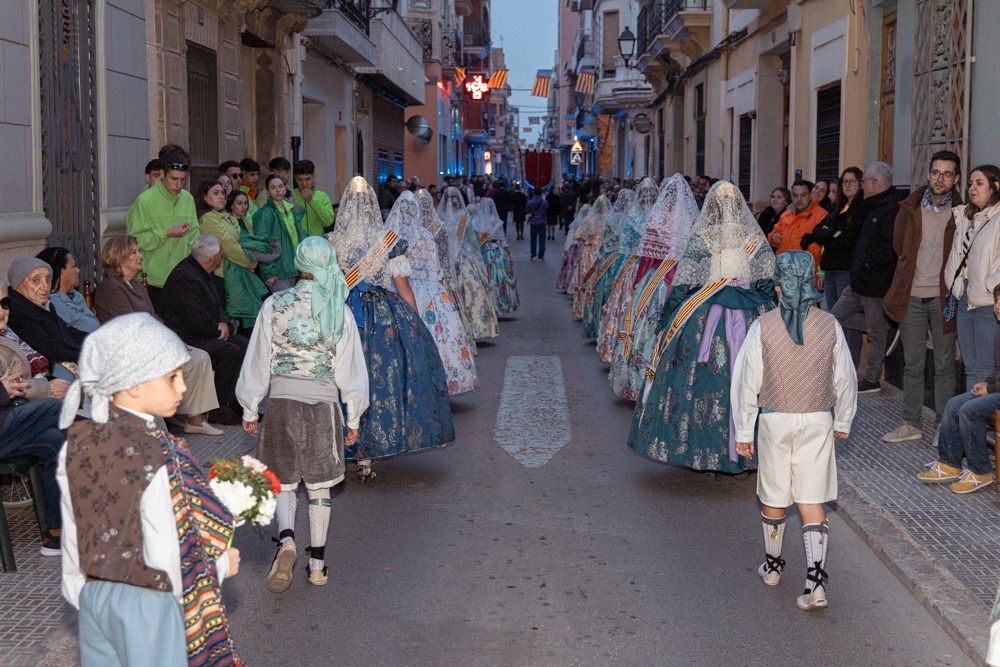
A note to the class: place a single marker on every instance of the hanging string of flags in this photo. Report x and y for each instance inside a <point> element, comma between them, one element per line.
<point>543,83</point>
<point>499,78</point>
<point>459,75</point>
<point>585,83</point>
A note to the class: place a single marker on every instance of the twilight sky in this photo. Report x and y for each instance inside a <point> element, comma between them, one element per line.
<point>528,32</point>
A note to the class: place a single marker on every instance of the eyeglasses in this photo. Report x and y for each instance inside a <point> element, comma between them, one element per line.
<point>238,174</point>
<point>849,181</point>
<point>935,175</point>
<point>178,166</point>
<point>870,179</point>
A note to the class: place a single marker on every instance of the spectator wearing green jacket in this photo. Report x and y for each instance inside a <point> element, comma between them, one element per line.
<point>164,221</point>
<point>316,203</point>
<point>277,218</point>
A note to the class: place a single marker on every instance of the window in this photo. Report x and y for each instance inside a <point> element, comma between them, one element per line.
<point>609,32</point>
<point>203,112</point>
<point>746,154</point>
<point>699,129</point>
<point>382,166</point>
<point>397,165</point>
<point>828,132</point>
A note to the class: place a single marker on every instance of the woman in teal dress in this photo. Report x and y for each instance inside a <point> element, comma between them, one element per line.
<point>608,262</point>
<point>409,408</point>
<point>666,235</point>
<point>723,283</point>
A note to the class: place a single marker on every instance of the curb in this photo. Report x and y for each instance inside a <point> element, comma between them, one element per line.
<point>944,597</point>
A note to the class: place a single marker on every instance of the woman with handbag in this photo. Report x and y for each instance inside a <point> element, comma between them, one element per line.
<point>973,270</point>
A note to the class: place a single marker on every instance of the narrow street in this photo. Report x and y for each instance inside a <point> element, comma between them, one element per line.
<point>570,551</point>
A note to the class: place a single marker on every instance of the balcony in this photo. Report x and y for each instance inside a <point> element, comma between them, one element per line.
<point>673,25</point>
<point>749,4</point>
<point>399,64</point>
<point>476,39</point>
<point>355,11</point>
<point>626,89</point>
<point>340,32</point>
<point>584,51</point>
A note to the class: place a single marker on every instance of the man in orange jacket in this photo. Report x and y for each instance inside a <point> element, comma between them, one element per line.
<point>798,222</point>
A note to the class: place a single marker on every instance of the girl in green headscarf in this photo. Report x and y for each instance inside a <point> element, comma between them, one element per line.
<point>306,356</point>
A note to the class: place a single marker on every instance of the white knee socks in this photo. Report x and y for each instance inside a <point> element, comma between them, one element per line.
<point>816,537</point>
<point>285,514</point>
<point>319,524</point>
<point>774,533</point>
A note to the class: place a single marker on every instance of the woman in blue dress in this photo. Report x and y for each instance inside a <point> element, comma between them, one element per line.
<point>724,281</point>
<point>496,257</point>
<point>409,407</point>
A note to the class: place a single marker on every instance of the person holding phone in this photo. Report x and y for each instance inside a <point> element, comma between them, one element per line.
<point>164,221</point>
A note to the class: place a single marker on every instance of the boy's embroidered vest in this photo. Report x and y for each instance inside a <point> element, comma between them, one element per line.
<point>798,378</point>
<point>109,467</point>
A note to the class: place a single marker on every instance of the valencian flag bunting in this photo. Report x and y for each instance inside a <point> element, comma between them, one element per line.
<point>498,79</point>
<point>543,81</point>
<point>459,75</point>
<point>585,83</point>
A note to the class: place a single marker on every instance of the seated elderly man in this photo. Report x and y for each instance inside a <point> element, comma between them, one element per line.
<point>194,304</point>
<point>32,316</point>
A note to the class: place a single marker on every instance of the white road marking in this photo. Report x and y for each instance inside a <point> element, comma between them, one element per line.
<point>533,418</point>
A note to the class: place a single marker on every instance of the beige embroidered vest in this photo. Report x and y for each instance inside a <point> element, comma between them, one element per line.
<point>798,378</point>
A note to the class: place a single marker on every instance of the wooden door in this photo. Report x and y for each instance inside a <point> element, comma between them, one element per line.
<point>887,91</point>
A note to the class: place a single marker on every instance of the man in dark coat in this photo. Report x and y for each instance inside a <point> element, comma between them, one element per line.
<point>567,205</point>
<point>923,235</point>
<point>874,262</point>
<point>503,203</point>
<point>518,204</point>
<point>194,306</point>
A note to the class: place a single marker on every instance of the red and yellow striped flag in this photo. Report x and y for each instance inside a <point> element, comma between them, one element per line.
<point>543,82</point>
<point>585,83</point>
<point>459,75</point>
<point>499,78</point>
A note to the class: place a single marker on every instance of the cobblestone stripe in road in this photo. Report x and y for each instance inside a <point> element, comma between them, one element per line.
<point>533,417</point>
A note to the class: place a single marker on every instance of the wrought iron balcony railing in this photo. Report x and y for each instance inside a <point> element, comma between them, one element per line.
<point>656,15</point>
<point>357,11</point>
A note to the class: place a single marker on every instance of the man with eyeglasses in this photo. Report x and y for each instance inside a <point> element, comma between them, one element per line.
<point>872,266</point>
<point>925,228</point>
<point>164,222</point>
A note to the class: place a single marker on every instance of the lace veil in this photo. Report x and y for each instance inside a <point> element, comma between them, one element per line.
<point>450,211</point>
<point>433,224</point>
<point>717,247</point>
<point>669,222</point>
<point>487,221</point>
<point>624,205</point>
<point>406,218</point>
<point>646,194</point>
<point>593,224</point>
<point>574,226</point>
<point>360,232</point>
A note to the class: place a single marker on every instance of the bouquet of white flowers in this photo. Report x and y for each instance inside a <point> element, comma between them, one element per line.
<point>247,488</point>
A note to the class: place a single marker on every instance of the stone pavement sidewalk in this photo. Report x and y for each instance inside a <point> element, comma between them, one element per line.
<point>944,547</point>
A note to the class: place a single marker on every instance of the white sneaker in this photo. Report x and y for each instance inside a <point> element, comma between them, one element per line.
<point>280,576</point>
<point>814,600</point>
<point>902,434</point>
<point>203,428</point>
<point>771,577</point>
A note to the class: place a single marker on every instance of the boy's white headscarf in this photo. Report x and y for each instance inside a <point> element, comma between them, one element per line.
<point>125,352</point>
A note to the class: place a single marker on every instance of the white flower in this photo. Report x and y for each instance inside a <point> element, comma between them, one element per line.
<point>236,496</point>
<point>265,513</point>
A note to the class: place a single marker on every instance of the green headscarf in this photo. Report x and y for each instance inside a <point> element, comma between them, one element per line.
<point>316,256</point>
<point>795,273</point>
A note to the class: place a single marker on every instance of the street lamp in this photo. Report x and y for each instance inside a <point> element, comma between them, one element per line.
<point>626,46</point>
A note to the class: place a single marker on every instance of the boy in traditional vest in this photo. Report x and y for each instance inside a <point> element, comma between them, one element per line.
<point>793,370</point>
<point>145,541</point>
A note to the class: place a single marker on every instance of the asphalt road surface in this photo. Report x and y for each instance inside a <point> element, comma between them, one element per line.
<point>538,538</point>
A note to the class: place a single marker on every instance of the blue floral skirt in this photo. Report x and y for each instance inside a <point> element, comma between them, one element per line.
<point>500,277</point>
<point>409,407</point>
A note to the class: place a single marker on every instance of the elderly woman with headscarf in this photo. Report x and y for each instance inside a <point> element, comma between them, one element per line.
<point>306,356</point>
<point>410,410</point>
<point>795,371</point>
<point>67,301</point>
<point>724,282</point>
<point>32,315</point>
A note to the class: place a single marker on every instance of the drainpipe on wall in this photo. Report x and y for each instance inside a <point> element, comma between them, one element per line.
<point>295,54</point>
<point>727,146</point>
<point>967,89</point>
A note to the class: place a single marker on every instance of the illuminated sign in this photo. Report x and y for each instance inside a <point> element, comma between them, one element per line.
<point>477,87</point>
<point>487,156</point>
